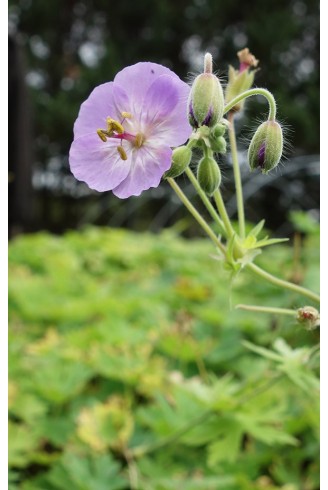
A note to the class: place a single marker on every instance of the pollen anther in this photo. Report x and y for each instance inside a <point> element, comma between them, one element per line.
<point>102,136</point>
<point>122,153</point>
<point>126,115</point>
<point>113,125</point>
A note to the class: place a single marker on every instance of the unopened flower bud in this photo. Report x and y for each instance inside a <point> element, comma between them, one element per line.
<point>265,149</point>
<point>208,175</point>
<point>180,160</point>
<point>218,130</point>
<point>241,80</point>
<point>218,145</point>
<point>309,317</point>
<point>217,142</point>
<point>206,100</point>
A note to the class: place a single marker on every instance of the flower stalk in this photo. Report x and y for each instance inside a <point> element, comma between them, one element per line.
<point>267,309</point>
<point>255,91</point>
<point>282,283</point>
<point>208,230</point>
<point>237,176</point>
<point>207,203</point>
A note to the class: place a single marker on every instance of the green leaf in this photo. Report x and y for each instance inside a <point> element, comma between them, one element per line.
<point>270,241</point>
<point>269,354</point>
<point>58,380</point>
<point>22,441</point>
<point>81,473</point>
<point>263,432</point>
<point>257,229</point>
<point>226,448</point>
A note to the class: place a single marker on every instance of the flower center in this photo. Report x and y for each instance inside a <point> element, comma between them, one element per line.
<point>117,131</point>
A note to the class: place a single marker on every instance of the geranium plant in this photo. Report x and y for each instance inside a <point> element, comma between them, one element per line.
<point>144,127</point>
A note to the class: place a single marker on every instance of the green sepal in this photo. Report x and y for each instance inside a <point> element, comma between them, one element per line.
<point>257,229</point>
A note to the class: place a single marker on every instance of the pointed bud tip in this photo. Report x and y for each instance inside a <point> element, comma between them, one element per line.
<point>208,63</point>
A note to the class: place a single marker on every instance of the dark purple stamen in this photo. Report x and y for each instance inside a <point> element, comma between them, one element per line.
<point>261,156</point>
<point>208,118</point>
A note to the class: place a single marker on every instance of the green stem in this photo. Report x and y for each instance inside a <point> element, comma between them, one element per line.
<point>283,284</point>
<point>223,212</point>
<point>255,91</point>
<point>210,208</point>
<point>254,268</point>
<point>236,172</point>
<point>267,309</point>
<point>132,469</point>
<point>196,214</point>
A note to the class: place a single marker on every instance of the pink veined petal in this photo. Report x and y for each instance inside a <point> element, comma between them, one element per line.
<point>147,168</point>
<point>135,80</point>
<point>94,111</point>
<point>173,129</point>
<point>159,101</point>
<point>98,163</point>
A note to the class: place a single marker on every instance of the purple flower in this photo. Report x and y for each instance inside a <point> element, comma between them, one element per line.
<point>125,130</point>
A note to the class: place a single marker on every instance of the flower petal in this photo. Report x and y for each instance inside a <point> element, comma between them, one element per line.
<point>173,129</point>
<point>121,100</point>
<point>160,99</point>
<point>147,168</point>
<point>98,163</point>
<point>94,111</point>
<point>137,79</point>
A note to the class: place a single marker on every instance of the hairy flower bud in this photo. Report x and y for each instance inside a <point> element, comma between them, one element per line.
<point>217,142</point>
<point>218,130</point>
<point>265,149</point>
<point>218,145</point>
<point>208,175</point>
<point>180,161</point>
<point>206,100</point>
<point>309,317</point>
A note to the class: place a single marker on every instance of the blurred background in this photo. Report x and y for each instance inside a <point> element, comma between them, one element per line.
<point>60,50</point>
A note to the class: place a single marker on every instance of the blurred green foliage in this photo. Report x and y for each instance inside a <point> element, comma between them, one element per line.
<point>129,368</point>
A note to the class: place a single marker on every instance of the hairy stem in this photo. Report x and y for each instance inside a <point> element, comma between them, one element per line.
<point>236,172</point>
<point>210,208</point>
<point>223,212</point>
<point>195,214</point>
<point>267,309</point>
<point>255,91</point>
<point>283,284</point>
